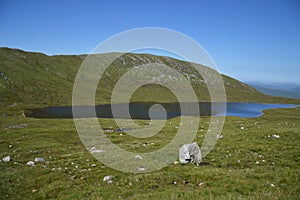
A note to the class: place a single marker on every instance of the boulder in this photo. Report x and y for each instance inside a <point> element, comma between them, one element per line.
<point>190,153</point>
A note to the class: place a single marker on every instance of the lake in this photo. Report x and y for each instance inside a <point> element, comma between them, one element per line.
<point>171,110</point>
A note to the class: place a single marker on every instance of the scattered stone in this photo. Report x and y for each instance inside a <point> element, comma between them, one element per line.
<point>138,157</point>
<point>201,183</point>
<point>6,159</point>
<point>220,136</point>
<point>174,182</point>
<point>272,185</point>
<point>38,159</point>
<point>93,165</point>
<point>257,162</point>
<point>110,181</point>
<point>190,153</point>
<point>176,162</point>
<point>30,163</point>
<point>16,126</point>
<point>34,190</point>
<point>94,150</point>
<point>108,178</point>
<point>274,136</point>
<point>141,169</point>
<point>10,146</point>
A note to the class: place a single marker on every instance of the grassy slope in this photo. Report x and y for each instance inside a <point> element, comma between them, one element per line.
<point>40,80</point>
<point>35,79</point>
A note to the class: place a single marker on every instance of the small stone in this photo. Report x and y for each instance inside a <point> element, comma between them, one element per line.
<point>272,185</point>
<point>108,178</point>
<point>138,157</point>
<point>110,181</point>
<point>220,136</point>
<point>257,162</point>
<point>34,190</point>
<point>30,163</point>
<point>201,183</point>
<point>93,165</point>
<point>242,128</point>
<point>141,169</point>
<point>94,150</point>
<point>6,159</point>
<point>38,159</point>
<point>275,136</point>
<point>176,162</point>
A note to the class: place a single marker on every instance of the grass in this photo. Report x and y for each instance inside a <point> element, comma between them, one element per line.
<point>230,171</point>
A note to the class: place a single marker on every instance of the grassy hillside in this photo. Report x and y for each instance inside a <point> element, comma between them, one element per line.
<point>35,80</point>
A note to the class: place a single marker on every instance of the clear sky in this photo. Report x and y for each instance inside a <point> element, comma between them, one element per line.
<point>256,40</point>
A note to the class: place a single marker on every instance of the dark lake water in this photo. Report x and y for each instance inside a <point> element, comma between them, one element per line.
<point>141,110</point>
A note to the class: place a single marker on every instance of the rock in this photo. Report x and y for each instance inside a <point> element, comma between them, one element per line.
<point>190,153</point>
<point>108,178</point>
<point>30,163</point>
<point>141,169</point>
<point>219,136</point>
<point>6,159</point>
<point>201,183</point>
<point>38,159</point>
<point>94,150</point>
<point>138,157</point>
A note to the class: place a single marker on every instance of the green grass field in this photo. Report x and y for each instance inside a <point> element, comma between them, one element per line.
<point>245,163</point>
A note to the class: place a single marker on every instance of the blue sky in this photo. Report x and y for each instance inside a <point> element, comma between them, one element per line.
<point>250,40</point>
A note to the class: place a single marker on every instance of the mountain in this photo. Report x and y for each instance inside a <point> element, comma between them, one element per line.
<point>32,79</point>
<point>290,90</point>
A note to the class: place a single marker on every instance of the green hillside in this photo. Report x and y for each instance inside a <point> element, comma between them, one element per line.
<point>34,79</point>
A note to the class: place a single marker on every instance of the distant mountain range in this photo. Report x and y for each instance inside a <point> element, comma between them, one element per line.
<point>290,90</point>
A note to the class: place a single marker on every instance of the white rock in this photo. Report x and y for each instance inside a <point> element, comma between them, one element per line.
<point>141,169</point>
<point>94,150</point>
<point>108,178</point>
<point>220,136</point>
<point>30,163</point>
<point>201,183</point>
<point>190,153</point>
<point>38,159</point>
<point>6,159</point>
<point>275,136</point>
<point>138,157</point>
